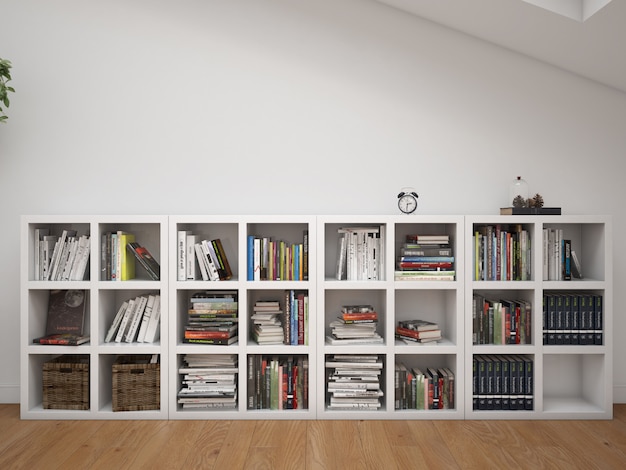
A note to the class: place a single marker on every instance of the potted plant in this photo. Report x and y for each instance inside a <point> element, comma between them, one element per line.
<point>5,77</point>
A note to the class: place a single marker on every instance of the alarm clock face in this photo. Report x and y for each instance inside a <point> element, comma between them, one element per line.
<point>407,202</point>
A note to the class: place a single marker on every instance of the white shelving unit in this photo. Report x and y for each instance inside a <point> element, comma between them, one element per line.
<point>104,298</point>
<point>437,301</point>
<point>571,381</point>
<point>233,231</point>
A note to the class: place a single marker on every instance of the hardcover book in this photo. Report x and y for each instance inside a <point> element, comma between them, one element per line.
<point>66,316</point>
<point>145,260</point>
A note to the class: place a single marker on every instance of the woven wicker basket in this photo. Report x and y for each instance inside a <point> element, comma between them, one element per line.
<point>136,384</point>
<point>66,383</point>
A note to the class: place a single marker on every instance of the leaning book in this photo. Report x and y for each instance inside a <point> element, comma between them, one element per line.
<point>65,321</point>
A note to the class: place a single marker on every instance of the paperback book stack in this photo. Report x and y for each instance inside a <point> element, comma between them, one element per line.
<point>356,325</point>
<point>418,331</point>
<point>354,381</point>
<point>361,254</point>
<point>278,382</point>
<point>136,321</point>
<point>212,318</point>
<point>208,381</point>
<point>267,324</point>
<point>425,258</point>
<point>60,258</point>
<point>428,389</point>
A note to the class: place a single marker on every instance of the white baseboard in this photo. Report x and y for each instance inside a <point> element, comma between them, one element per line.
<point>619,393</point>
<point>9,393</point>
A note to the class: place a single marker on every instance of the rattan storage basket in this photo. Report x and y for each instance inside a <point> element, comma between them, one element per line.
<point>66,383</point>
<point>136,383</point>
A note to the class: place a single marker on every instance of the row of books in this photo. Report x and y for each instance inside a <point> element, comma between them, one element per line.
<point>278,382</point>
<point>502,252</point>
<point>560,261</point>
<point>212,318</point>
<point>428,389</point>
<point>354,381</point>
<point>277,260</point>
<point>425,258</point>
<point>201,259</point>
<point>60,258</point>
<point>361,253</point>
<point>418,331</point>
<point>137,320</point>
<point>502,382</point>
<point>119,254</point>
<point>208,381</point>
<point>501,321</point>
<point>573,318</point>
<point>356,324</point>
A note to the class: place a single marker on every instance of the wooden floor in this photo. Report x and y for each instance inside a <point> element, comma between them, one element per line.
<point>300,445</point>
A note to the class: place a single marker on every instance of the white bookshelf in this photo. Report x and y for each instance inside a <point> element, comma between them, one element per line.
<point>233,232</point>
<point>438,301</point>
<point>104,298</point>
<point>571,381</point>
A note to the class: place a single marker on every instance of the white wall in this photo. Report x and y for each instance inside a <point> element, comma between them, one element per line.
<point>284,106</point>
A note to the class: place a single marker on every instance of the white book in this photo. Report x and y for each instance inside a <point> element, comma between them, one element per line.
<point>49,242</point>
<point>145,319</point>
<point>125,321</point>
<point>257,259</point>
<point>191,256</point>
<point>209,254</point>
<point>58,251</point>
<point>153,330</point>
<point>71,256</point>
<point>181,256</point>
<point>131,334</point>
<point>38,251</point>
<point>82,259</point>
<point>202,262</point>
<point>116,322</point>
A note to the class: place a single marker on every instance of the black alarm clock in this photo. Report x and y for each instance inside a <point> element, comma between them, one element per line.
<point>407,200</point>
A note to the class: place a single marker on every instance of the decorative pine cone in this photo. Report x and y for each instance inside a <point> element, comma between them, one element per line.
<point>538,199</point>
<point>519,201</point>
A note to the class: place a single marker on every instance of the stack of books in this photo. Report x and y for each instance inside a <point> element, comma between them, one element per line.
<point>266,318</point>
<point>354,381</point>
<point>418,331</point>
<point>208,381</point>
<point>425,258</point>
<point>356,325</point>
<point>212,318</point>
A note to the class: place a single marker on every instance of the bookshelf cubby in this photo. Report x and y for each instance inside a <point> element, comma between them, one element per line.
<point>569,381</point>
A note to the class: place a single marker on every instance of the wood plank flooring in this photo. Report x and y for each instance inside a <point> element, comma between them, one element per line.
<point>301,445</point>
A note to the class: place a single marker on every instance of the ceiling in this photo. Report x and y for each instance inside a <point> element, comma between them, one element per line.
<point>594,48</point>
